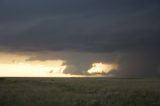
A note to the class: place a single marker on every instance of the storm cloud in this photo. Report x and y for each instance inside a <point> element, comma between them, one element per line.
<point>83,32</point>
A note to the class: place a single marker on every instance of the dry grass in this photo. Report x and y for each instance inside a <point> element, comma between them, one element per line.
<point>79,92</point>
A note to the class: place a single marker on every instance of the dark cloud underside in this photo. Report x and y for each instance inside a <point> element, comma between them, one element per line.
<point>127,31</point>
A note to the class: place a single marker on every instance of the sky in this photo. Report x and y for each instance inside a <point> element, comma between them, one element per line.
<point>79,38</point>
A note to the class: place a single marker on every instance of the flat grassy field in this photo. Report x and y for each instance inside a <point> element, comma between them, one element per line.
<point>79,92</point>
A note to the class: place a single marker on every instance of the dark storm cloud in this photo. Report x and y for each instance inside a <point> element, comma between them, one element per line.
<point>77,62</point>
<point>140,63</point>
<point>130,29</point>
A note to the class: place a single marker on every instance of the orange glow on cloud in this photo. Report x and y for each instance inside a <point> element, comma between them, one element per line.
<point>12,65</point>
<point>26,69</point>
<point>100,68</point>
<point>15,65</point>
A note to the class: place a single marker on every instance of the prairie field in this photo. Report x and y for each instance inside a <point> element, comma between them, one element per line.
<point>79,92</point>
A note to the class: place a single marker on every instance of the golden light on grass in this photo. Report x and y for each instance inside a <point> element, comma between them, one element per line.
<point>100,68</point>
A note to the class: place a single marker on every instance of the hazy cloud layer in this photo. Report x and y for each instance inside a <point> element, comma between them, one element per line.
<point>122,32</point>
<point>77,62</point>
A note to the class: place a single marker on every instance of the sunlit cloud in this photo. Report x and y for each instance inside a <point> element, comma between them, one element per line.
<point>101,68</point>
<point>26,69</point>
<point>15,65</point>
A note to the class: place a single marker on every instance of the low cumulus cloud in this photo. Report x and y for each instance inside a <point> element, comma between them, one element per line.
<point>76,62</point>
